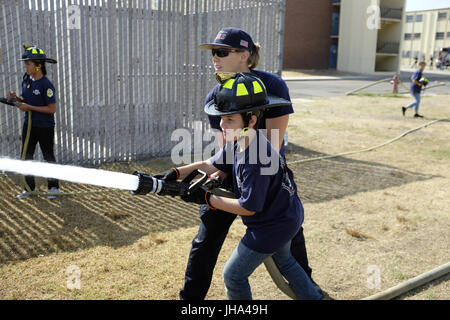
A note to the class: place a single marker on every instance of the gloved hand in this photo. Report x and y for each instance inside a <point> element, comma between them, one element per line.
<point>169,175</point>
<point>170,186</point>
<point>199,196</point>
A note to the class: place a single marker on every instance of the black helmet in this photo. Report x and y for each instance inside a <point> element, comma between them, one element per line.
<point>35,54</point>
<point>242,93</point>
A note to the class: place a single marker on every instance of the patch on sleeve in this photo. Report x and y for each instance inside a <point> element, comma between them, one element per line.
<point>49,93</point>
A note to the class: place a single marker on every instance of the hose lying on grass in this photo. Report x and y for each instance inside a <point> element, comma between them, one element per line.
<point>411,283</point>
<point>370,148</point>
<point>367,86</point>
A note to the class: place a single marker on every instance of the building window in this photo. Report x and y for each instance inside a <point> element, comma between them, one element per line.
<point>448,34</point>
<point>439,35</point>
<point>416,36</point>
<point>407,36</point>
<point>419,18</point>
<point>442,15</point>
<point>406,54</point>
<point>409,18</point>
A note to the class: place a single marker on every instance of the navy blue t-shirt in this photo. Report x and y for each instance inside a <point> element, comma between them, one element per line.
<point>275,86</point>
<point>416,76</point>
<point>271,194</point>
<point>39,93</point>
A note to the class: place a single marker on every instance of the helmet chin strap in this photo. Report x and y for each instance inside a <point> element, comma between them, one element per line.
<point>246,117</point>
<point>243,132</point>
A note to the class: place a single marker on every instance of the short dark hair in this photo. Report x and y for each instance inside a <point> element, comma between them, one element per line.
<point>248,115</point>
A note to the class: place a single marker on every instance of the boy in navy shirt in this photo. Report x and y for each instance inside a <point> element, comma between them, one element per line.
<point>417,82</point>
<point>266,197</point>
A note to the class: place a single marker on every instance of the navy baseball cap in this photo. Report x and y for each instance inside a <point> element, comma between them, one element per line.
<point>231,38</point>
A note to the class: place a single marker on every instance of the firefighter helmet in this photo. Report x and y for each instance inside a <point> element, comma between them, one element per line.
<point>34,53</point>
<point>241,94</point>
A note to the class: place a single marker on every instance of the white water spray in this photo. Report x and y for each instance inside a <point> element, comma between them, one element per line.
<point>95,177</point>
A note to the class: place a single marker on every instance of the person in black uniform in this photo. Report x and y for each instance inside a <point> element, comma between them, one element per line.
<point>233,50</point>
<point>38,97</point>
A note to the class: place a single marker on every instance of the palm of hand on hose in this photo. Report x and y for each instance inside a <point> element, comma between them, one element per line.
<point>196,196</point>
<point>170,186</point>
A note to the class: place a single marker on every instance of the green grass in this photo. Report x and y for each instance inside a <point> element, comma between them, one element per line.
<point>385,95</point>
<point>397,274</point>
<point>443,153</point>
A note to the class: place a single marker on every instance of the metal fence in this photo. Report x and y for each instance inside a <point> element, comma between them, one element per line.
<point>129,72</point>
<point>389,47</point>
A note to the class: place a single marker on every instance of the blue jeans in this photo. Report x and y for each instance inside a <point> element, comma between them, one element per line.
<point>416,103</point>
<point>244,261</point>
<point>206,247</point>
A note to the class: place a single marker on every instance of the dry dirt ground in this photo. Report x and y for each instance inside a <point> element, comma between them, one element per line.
<point>385,210</point>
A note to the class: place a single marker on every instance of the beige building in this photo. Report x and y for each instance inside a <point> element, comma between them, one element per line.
<point>424,34</point>
<point>369,36</point>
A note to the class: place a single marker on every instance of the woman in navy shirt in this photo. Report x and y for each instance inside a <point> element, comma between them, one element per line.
<point>38,97</point>
<point>233,50</point>
<point>266,197</point>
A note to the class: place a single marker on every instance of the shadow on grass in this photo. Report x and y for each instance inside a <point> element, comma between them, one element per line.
<point>335,178</point>
<point>38,226</point>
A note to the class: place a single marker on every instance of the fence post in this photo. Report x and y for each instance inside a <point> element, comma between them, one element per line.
<point>281,37</point>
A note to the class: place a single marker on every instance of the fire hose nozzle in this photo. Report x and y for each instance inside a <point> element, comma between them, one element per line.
<point>146,184</point>
<point>149,184</point>
<point>10,102</point>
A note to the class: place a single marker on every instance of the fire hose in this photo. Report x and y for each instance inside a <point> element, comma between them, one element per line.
<point>138,183</point>
<point>148,184</point>
<point>14,103</point>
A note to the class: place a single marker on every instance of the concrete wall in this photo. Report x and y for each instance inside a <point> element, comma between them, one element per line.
<point>386,63</point>
<point>357,43</point>
<point>389,32</point>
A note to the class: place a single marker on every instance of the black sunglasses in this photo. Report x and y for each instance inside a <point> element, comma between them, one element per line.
<point>222,53</point>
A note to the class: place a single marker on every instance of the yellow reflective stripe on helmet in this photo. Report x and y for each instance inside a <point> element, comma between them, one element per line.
<point>241,90</point>
<point>229,84</point>
<point>41,51</point>
<point>257,87</point>
<point>34,51</point>
<point>262,83</point>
